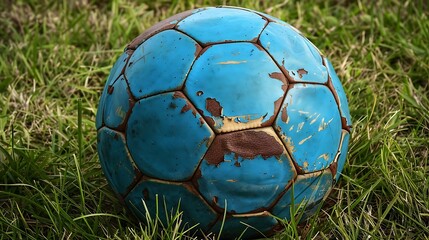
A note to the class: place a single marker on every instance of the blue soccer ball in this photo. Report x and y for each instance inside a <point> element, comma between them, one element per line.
<point>229,111</point>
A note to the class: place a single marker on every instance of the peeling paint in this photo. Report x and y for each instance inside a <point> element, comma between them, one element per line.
<point>279,76</point>
<point>110,89</point>
<point>289,144</point>
<point>246,145</point>
<point>214,107</point>
<point>234,123</point>
<point>284,116</point>
<point>305,164</point>
<point>302,72</point>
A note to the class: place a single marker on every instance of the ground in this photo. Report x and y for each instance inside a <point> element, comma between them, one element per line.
<point>54,60</point>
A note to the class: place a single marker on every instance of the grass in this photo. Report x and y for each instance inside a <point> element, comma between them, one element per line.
<point>55,57</point>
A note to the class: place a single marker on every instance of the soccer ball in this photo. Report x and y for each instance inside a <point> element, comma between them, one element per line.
<point>226,113</point>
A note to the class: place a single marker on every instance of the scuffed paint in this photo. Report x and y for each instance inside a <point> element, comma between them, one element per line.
<point>229,124</point>
<point>232,62</point>
<point>259,173</point>
<point>323,125</point>
<point>324,156</point>
<point>313,134</point>
<point>304,140</point>
<point>252,106</point>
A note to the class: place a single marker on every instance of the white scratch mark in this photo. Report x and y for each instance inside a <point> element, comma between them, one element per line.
<point>305,139</point>
<point>300,125</point>
<point>324,156</point>
<point>323,125</point>
<point>232,62</point>
<point>314,120</point>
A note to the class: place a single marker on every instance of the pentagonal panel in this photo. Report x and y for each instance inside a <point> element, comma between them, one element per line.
<point>307,191</point>
<point>167,137</point>
<point>248,169</point>
<point>114,74</point>
<point>339,91</point>
<point>341,161</point>
<point>161,63</point>
<point>248,226</point>
<point>115,160</point>
<point>236,86</point>
<point>118,103</point>
<point>294,53</point>
<point>216,25</point>
<point>310,126</point>
<point>165,198</point>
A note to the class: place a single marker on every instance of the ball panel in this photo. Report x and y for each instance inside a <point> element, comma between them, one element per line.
<point>215,25</point>
<point>154,69</point>
<point>248,226</point>
<point>249,168</point>
<point>114,74</point>
<point>116,161</point>
<point>167,137</point>
<point>310,126</point>
<point>168,23</point>
<point>236,86</point>
<point>298,59</point>
<point>341,161</point>
<point>339,91</point>
<point>119,103</point>
<point>307,191</point>
<point>174,195</point>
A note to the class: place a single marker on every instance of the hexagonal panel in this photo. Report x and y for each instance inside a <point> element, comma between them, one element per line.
<point>248,168</point>
<point>158,194</point>
<point>161,63</point>
<point>236,86</point>
<point>248,226</point>
<point>115,160</point>
<point>119,103</point>
<point>114,74</point>
<point>339,91</point>
<point>215,25</point>
<point>341,161</point>
<point>167,137</point>
<point>307,191</point>
<point>294,53</point>
<point>310,126</point>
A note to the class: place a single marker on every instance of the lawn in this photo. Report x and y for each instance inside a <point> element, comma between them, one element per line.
<point>55,57</point>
